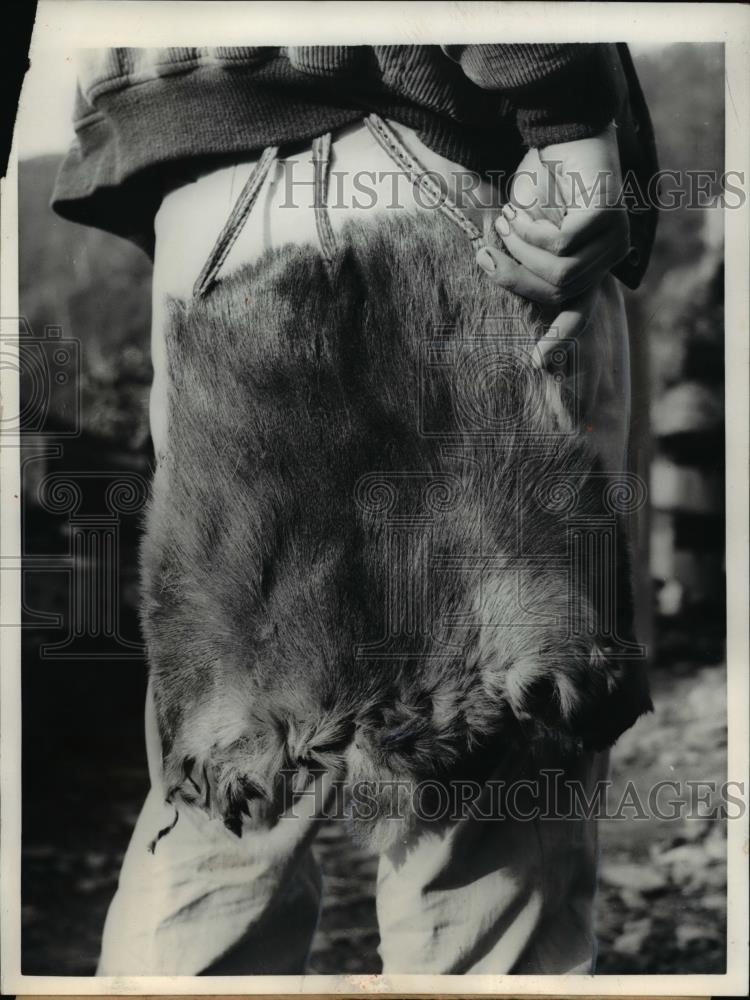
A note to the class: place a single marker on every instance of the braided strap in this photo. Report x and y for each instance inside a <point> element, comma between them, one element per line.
<point>233,226</point>
<point>420,177</point>
<point>321,157</point>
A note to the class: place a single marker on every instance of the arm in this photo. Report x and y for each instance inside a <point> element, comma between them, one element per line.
<point>566,99</point>
<point>560,93</point>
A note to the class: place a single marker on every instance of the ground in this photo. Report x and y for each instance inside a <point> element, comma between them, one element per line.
<point>661,905</point>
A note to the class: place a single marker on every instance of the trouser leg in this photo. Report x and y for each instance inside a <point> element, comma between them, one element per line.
<point>603,360</point>
<point>495,892</point>
<point>514,895</point>
<point>205,901</point>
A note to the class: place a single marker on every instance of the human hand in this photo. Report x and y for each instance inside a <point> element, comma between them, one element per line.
<point>563,226</point>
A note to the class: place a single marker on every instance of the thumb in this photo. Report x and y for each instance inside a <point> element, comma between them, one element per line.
<point>570,324</point>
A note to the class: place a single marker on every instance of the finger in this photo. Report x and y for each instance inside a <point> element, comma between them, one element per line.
<point>536,232</point>
<point>570,324</point>
<point>584,268</point>
<point>577,229</point>
<point>504,271</point>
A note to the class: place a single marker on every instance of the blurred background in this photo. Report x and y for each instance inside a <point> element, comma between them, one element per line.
<point>86,461</point>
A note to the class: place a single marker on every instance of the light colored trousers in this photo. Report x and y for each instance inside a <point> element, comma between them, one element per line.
<point>478,896</point>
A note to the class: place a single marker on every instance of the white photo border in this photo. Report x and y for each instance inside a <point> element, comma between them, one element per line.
<point>67,25</point>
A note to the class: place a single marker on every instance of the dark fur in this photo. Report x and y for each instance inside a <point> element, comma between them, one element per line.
<point>263,573</point>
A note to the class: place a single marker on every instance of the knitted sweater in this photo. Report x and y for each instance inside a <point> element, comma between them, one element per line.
<point>144,118</point>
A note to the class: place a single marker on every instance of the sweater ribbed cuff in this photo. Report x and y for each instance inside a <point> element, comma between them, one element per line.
<point>560,92</point>
<point>575,102</point>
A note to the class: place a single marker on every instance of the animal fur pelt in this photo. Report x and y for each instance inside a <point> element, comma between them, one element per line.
<point>361,550</point>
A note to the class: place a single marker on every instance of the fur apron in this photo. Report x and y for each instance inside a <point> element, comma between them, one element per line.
<point>363,550</point>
